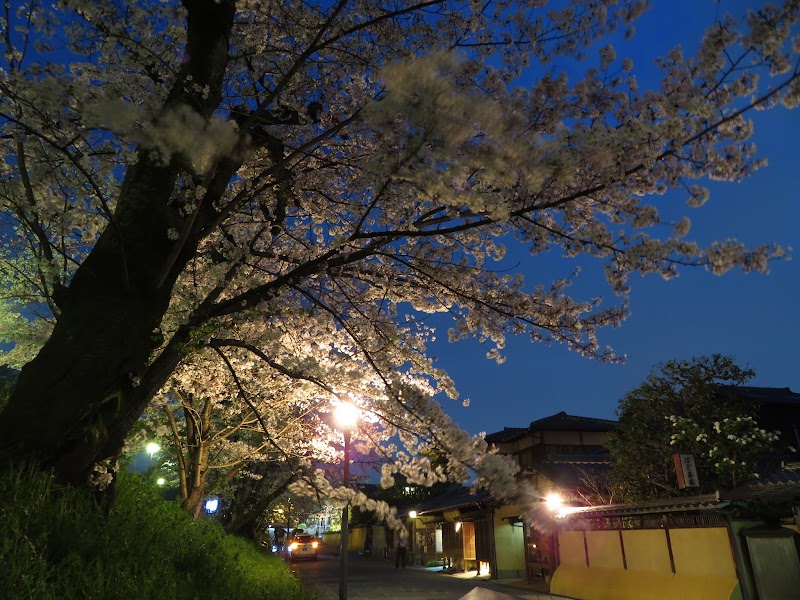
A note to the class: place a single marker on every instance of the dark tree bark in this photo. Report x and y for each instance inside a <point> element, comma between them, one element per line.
<point>248,510</point>
<point>74,404</point>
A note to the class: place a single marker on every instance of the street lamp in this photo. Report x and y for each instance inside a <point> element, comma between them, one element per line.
<point>346,417</point>
<point>412,543</point>
<point>554,502</point>
<point>151,448</point>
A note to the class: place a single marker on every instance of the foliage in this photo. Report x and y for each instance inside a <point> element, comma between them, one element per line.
<point>678,408</point>
<point>733,445</point>
<point>258,204</point>
<point>7,378</point>
<point>57,544</point>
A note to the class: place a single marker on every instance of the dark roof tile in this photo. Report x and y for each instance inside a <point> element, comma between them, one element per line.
<point>761,395</point>
<point>564,422</point>
<point>507,435</point>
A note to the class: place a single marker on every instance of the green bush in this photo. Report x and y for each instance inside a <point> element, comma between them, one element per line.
<point>56,543</point>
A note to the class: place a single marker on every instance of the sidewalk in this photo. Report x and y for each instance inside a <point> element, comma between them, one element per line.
<point>511,588</point>
<point>378,579</point>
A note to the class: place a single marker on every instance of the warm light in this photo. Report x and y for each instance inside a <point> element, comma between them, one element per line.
<point>152,448</point>
<point>412,514</point>
<point>161,481</point>
<point>554,501</point>
<point>458,526</point>
<point>346,415</point>
<point>293,546</point>
<point>314,544</point>
<point>280,511</point>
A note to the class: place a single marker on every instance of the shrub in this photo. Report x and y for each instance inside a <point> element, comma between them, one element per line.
<point>56,543</point>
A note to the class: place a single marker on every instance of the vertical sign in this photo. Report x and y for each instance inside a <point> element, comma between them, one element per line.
<point>686,471</point>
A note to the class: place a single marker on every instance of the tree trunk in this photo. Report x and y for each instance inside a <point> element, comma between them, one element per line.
<point>193,503</point>
<point>244,521</point>
<point>75,403</point>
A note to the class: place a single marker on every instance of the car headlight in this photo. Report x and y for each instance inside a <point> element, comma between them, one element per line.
<point>293,546</point>
<point>314,544</point>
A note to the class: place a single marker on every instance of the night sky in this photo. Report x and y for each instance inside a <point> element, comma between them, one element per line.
<point>751,317</point>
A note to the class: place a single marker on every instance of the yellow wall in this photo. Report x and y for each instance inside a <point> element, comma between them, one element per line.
<point>704,568</point>
<point>333,540</point>
<point>705,552</point>
<point>509,543</point>
<point>356,539</point>
<point>646,550</point>
<point>571,549</point>
<point>605,550</point>
<point>378,542</point>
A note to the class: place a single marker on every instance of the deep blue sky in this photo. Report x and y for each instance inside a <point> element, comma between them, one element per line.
<point>752,317</point>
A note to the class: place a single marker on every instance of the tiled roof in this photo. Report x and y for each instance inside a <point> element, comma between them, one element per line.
<point>762,395</point>
<point>507,435</point>
<point>558,422</point>
<point>455,497</point>
<point>778,486</point>
<point>564,422</point>
<point>585,458</point>
<point>664,505</point>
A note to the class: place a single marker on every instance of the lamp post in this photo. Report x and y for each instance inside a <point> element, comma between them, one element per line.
<point>152,448</point>
<point>412,543</point>
<point>346,417</point>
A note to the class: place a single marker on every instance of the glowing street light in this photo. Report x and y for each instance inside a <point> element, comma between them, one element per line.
<point>412,514</point>
<point>346,417</point>
<point>161,481</point>
<point>151,449</point>
<point>554,502</point>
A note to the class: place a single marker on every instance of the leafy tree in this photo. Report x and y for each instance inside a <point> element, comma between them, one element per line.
<point>7,378</point>
<point>219,176</point>
<point>679,408</point>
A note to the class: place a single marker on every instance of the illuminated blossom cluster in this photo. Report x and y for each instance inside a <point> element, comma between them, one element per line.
<point>733,446</point>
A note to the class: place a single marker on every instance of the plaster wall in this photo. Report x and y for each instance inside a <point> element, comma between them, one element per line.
<point>703,560</point>
<point>509,544</point>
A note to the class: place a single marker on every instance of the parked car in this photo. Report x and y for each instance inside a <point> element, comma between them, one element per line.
<point>303,546</point>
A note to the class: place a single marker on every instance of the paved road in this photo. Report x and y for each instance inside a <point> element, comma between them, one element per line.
<point>370,579</point>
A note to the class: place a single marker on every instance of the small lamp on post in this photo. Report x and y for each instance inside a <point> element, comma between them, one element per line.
<point>346,417</point>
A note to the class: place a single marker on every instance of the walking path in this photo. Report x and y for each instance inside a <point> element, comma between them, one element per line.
<point>370,579</point>
<point>497,589</point>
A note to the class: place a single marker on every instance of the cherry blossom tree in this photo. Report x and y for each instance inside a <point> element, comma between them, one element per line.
<point>194,178</point>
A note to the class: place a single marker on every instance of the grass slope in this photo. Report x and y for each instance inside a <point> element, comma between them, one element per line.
<point>55,543</point>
